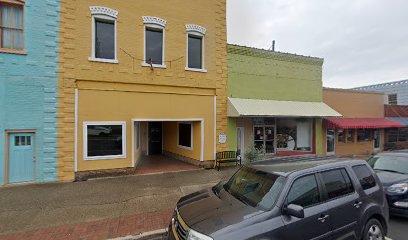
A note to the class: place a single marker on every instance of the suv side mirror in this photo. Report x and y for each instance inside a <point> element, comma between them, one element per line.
<point>295,210</point>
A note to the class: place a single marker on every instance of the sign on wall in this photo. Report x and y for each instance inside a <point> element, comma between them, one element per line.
<point>222,138</point>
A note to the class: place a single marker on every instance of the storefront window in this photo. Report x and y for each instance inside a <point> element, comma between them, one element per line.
<point>364,135</point>
<point>341,136</point>
<point>104,141</point>
<point>294,134</point>
<point>264,138</point>
<point>392,135</point>
<point>402,134</point>
<point>350,135</point>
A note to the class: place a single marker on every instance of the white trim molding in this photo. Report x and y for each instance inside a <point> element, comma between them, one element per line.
<point>99,10</point>
<point>197,32</point>
<point>192,135</point>
<point>76,131</point>
<point>196,28</point>
<point>107,157</point>
<point>154,20</point>
<point>108,15</point>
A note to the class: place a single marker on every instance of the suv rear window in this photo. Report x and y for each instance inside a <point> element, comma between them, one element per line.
<point>337,183</point>
<point>365,176</point>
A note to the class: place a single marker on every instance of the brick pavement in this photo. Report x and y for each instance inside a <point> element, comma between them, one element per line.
<point>101,229</point>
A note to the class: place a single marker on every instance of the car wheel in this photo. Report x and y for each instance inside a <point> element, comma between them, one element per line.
<point>373,230</point>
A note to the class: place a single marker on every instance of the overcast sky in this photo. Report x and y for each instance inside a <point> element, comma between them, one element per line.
<point>362,42</point>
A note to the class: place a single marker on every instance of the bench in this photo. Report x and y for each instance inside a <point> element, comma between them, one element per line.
<point>227,157</point>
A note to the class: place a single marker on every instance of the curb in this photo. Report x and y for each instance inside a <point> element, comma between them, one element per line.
<point>153,235</point>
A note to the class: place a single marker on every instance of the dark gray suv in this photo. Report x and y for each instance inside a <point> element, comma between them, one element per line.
<point>318,199</point>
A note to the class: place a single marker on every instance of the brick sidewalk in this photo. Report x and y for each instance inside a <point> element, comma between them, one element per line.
<point>101,229</point>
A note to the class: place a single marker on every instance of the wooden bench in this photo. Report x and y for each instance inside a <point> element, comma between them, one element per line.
<point>227,157</point>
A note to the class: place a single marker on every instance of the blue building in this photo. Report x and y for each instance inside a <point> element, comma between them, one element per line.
<point>29,33</point>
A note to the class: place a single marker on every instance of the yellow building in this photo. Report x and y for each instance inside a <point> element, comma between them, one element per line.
<point>139,78</point>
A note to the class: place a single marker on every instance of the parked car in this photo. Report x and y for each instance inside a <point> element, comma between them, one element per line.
<point>318,199</point>
<point>392,169</point>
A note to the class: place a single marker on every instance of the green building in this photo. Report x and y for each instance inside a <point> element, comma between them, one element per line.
<point>275,102</point>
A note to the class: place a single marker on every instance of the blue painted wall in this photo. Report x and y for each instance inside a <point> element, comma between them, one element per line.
<point>29,87</point>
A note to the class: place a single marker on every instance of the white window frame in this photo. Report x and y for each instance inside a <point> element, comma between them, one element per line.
<point>108,157</point>
<point>103,13</point>
<point>198,31</point>
<point>157,24</point>
<point>192,135</point>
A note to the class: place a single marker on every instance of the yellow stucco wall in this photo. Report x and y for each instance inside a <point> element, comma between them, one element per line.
<point>76,71</point>
<point>170,141</point>
<point>101,105</point>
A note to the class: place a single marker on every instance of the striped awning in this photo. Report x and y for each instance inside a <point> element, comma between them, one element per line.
<point>353,123</point>
<point>401,120</point>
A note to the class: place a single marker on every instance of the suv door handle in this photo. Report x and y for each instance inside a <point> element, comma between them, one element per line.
<point>323,218</point>
<point>358,204</point>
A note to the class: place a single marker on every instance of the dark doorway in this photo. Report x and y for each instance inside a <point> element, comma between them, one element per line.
<point>155,138</point>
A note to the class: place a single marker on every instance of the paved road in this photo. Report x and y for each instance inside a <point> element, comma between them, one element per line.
<point>398,228</point>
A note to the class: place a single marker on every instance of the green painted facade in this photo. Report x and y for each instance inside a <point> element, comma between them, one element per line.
<point>262,74</point>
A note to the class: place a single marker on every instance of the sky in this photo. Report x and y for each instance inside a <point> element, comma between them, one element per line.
<point>363,42</point>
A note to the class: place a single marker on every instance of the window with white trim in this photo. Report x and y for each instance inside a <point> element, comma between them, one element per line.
<point>12,25</point>
<point>103,34</point>
<point>104,140</point>
<point>195,48</point>
<point>185,135</point>
<point>154,39</point>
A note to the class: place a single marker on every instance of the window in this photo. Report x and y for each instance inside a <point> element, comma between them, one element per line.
<point>195,47</point>
<point>365,176</point>
<point>154,32</point>
<point>350,135</point>
<point>264,138</point>
<point>337,183</point>
<point>341,136</point>
<point>195,51</point>
<point>104,39</point>
<point>22,140</point>
<point>255,188</point>
<point>364,135</point>
<point>294,134</point>
<point>103,34</point>
<point>185,135</point>
<point>154,46</point>
<point>104,140</point>
<point>12,26</point>
<point>392,135</point>
<point>304,192</point>
<point>389,163</point>
<point>392,99</point>
<point>402,134</point>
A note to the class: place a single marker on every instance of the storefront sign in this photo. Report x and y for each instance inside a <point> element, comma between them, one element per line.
<point>222,138</point>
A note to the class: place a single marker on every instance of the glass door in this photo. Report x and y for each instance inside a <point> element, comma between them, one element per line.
<point>264,137</point>
<point>330,141</point>
<point>240,141</point>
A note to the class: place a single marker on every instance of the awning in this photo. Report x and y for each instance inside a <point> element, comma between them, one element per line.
<point>401,120</point>
<point>239,107</point>
<point>353,123</point>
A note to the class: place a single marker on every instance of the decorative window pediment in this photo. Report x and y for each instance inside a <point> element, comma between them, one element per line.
<point>196,28</point>
<point>154,20</point>
<point>98,10</point>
